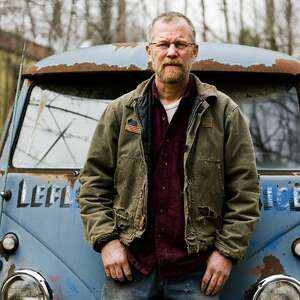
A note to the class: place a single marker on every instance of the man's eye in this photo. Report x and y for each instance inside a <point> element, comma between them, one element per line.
<point>180,45</point>
<point>163,45</point>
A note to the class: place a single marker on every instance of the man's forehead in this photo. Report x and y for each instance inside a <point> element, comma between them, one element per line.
<point>176,26</point>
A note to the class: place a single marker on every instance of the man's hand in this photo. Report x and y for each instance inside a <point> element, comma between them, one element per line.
<point>115,261</point>
<point>217,272</point>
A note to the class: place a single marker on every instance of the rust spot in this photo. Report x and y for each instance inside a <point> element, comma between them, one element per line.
<point>11,270</point>
<point>58,175</point>
<point>54,277</point>
<point>78,68</point>
<point>71,179</point>
<point>280,66</point>
<point>125,45</point>
<point>271,265</point>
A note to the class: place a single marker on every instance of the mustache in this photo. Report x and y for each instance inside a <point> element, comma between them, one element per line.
<point>171,63</point>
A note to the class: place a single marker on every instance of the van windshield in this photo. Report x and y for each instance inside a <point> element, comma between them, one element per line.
<point>58,126</point>
<point>60,120</point>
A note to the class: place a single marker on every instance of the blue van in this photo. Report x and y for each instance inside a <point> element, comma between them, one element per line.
<point>43,251</point>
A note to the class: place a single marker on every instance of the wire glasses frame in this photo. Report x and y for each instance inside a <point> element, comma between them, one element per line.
<point>165,45</point>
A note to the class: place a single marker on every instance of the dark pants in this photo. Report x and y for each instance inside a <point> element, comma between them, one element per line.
<point>152,287</point>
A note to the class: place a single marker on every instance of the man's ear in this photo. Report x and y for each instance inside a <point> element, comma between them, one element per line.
<point>195,51</point>
<point>148,50</point>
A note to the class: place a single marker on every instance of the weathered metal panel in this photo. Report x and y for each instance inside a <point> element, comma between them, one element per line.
<point>270,247</point>
<point>44,214</point>
<point>132,57</point>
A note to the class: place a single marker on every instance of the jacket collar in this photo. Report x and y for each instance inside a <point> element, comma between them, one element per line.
<point>205,91</point>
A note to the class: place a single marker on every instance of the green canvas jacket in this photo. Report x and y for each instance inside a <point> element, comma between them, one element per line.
<point>221,187</point>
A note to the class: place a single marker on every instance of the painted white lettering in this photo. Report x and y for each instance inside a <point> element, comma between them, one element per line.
<point>297,197</point>
<point>269,197</point>
<point>22,194</point>
<point>281,199</point>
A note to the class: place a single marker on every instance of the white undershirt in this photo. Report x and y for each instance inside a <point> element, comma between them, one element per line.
<point>171,108</point>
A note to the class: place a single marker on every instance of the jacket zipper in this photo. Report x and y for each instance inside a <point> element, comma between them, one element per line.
<point>195,109</point>
<point>185,193</point>
<point>145,187</point>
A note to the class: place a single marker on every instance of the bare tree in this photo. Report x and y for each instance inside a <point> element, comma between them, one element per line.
<point>88,18</point>
<point>289,18</point>
<point>255,14</point>
<point>204,26</point>
<point>31,18</point>
<point>55,25</point>
<point>225,11</point>
<point>270,24</point>
<point>143,30</point>
<point>241,15</point>
<point>69,27</point>
<point>105,21</point>
<point>121,22</point>
<point>248,35</point>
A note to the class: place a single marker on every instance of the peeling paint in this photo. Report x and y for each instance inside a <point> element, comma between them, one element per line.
<point>57,175</point>
<point>132,57</point>
<point>54,278</point>
<point>271,266</point>
<point>79,68</point>
<point>280,66</point>
<point>125,45</point>
<point>11,270</point>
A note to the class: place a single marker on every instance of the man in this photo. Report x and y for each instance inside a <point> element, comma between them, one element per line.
<point>169,191</point>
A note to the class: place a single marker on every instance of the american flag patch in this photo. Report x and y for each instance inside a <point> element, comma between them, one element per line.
<point>133,126</point>
<point>207,122</point>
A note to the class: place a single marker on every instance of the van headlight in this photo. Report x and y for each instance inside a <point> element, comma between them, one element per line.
<point>278,287</point>
<point>25,284</point>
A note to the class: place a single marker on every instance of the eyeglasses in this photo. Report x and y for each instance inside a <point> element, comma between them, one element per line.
<point>165,45</point>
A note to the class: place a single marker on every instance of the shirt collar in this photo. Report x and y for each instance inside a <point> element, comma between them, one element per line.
<point>190,91</point>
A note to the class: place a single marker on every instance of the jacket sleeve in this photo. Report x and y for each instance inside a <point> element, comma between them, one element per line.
<point>97,182</point>
<point>241,205</point>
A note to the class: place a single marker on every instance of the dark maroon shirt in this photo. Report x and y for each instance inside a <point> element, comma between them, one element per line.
<point>163,244</point>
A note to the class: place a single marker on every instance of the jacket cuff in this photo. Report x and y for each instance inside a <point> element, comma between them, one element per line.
<point>234,258</point>
<point>101,242</point>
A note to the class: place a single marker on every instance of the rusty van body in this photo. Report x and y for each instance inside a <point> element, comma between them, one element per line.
<point>43,251</point>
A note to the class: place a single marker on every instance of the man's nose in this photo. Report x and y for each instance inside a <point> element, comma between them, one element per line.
<point>172,51</point>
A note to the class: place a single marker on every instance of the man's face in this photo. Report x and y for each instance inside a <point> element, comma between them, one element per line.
<point>171,50</point>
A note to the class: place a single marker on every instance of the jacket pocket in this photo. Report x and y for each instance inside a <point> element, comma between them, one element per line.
<point>207,185</point>
<point>128,180</point>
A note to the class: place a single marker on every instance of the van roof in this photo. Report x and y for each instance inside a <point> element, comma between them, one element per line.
<point>215,57</point>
